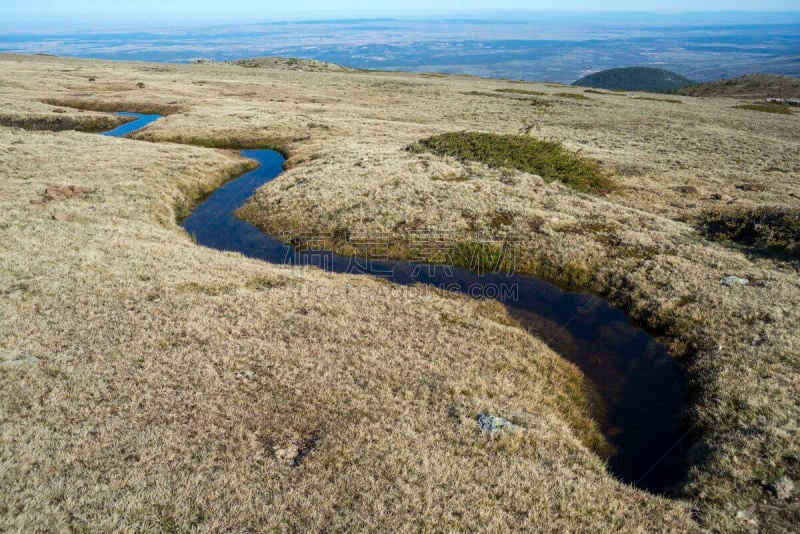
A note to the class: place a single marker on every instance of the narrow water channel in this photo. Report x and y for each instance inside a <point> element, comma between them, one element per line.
<point>641,392</point>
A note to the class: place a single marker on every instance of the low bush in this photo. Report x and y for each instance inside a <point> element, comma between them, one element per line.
<point>548,159</point>
<point>773,229</point>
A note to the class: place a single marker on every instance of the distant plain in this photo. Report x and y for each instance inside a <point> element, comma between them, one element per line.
<point>532,47</point>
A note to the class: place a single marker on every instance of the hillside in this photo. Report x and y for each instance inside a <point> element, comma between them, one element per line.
<point>149,384</point>
<point>280,63</point>
<point>635,79</point>
<point>750,86</point>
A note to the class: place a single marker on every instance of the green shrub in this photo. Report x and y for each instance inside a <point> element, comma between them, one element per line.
<point>548,159</point>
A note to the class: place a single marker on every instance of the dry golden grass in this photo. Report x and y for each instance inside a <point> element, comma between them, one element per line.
<point>140,335</point>
<point>150,384</point>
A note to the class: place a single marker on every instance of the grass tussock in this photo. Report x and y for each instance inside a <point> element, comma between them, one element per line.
<point>574,96</point>
<point>226,142</point>
<point>606,93</point>
<point>767,108</point>
<point>549,159</point>
<point>113,106</point>
<point>61,123</point>
<point>522,92</point>
<point>665,100</point>
<point>767,229</point>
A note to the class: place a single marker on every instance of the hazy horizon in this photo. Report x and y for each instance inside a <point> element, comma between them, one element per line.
<point>143,18</point>
<point>533,46</point>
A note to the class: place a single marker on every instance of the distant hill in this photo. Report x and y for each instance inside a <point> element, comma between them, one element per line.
<point>752,85</point>
<point>635,79</point>
<point>282,63</point>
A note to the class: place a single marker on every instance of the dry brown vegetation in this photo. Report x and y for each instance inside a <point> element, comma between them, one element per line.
<point>151,383</point>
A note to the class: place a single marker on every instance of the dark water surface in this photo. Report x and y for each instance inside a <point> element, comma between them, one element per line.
<point>640,390</point>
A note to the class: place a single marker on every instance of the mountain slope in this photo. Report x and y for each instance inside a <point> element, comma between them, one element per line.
<point>752,85</point>
<point>635,79</point>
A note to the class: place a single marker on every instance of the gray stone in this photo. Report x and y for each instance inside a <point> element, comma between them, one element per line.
<point>784,101</point>
<point>731,281</point>
<point>19,361</point>
<point>492,424</point>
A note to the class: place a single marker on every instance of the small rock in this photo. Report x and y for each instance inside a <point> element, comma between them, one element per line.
<point>246,374</point>
<point>491,424</point>
<point>59,110</point>
<point>687,189</point>
<point>752,187</point>
<point>61,216</point>
<point>716,196</point>
<point>783,488</point>
<point>140,85</point>
<point>731,281</point>
<point>92,79</point>
<point>784,101</point>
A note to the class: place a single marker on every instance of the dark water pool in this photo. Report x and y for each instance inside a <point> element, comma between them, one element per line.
<point>640,391</point>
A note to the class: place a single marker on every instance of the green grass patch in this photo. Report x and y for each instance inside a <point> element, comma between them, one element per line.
<point>548,159</point>
<point>521,92</point>
<point>667,100</point>
<point>478,257</point>
<point>767,108</point>
<point>574,96</point>
<point>765,229</point>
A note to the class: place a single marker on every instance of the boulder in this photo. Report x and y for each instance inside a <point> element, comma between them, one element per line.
<point>731,281</point>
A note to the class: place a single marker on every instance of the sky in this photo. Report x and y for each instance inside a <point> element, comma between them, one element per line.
<point>32,13</point>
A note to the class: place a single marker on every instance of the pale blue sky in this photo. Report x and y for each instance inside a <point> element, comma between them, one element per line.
<point>61,12</point>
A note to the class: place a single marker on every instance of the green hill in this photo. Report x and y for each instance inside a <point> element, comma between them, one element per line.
<point>635,79</point>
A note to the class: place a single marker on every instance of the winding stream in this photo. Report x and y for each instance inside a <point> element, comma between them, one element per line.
<point>640,391</point>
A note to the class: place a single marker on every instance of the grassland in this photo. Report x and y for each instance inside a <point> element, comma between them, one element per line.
<point>152,384</point>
